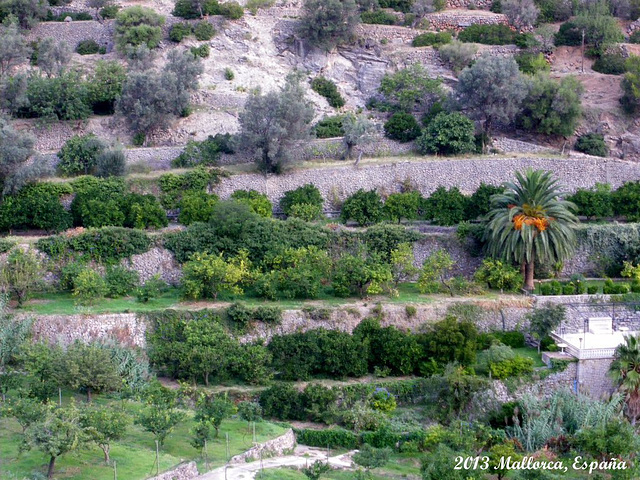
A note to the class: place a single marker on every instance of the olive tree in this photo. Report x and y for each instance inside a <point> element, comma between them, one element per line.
<point>491,90</point>
<point>327,23</point>
<point>520,13</point>
<point>273,125</point>
<point>15,149</point>
<point>53,56</point>
<point>13,48</point>
<point>358,130</point>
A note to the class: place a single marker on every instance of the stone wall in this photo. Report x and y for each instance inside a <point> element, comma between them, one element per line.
<point>271,448</point>
<point>73,33</point>
<point>456,20</point>
<point>429,173</point>
<point>552,383</point>
<point>593,378</point>
<point>466,3</point>
<point>157,261</point>
<point>465,264</point>
<point>184,471</point>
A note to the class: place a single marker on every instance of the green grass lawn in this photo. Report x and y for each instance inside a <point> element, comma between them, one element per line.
<point>64,303</point>
<point>531,353</point>
<point>134,454</point>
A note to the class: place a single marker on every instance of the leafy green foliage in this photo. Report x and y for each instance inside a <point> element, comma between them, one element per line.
<point>447,134</point>
<point>87,47</point>
<point>329,127</point>
<point>378,17</point>
<point>411,89</point>
<point>543,320</point>
<point>120,281</point>
<point>594,202</point>
<point>592,144</point>
<point>552,11</point>
<point>203,31</point>
<point>495,34</point>
<point>360,274</point>
<point>600,27</point>
<point>90,368</point>
<point>205,276</point>
<point>552,107</point>
<point>104,426</point>
<point>458,54</point>
<point>150,290</point>
<point>402,205</point>
<point>196,207</point>
<point>328,23</point>
<point>363,207</point>
<point>499,275</point>
<point>88,287</point>
<point>445,207</point>
<point>610,63</point>
<point>435,39</point>
<point>138,25</point>
<point>402,127</point>
<point>179,31</point>
<point>532,63</point>
<point>631,85</point>
<point>258,202</point>
<point>105,86</point>
<point>79,155</point>
<point>328,90</point>
<point>21,273</point>
<point>307,194</point>
<point>36,206</point>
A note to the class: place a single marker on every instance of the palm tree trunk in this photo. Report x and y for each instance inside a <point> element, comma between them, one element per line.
<point>528,276</point>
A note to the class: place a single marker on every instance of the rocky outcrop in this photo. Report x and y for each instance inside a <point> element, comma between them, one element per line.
<point>184,471</point>
<point>271,448</point>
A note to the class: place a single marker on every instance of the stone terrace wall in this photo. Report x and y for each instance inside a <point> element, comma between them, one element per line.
<point>427,175</point>
<point>465,3</point>
<point>593,378</point>
<point>75,32</point>
<point>270,448</point>
<point>184,471</point>
<point>456,20</point>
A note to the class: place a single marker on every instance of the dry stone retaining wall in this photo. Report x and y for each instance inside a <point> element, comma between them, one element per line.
<point>271,448</point>
<point>456,20</point>
<point>184,471</point>
<point>74,32</point>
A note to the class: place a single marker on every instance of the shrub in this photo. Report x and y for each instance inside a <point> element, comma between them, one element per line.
<point>592,289</point>
<point>88,287</point>
<point>531,63</point>
<point>635,36</point>
<point>174,186</point>
<point>87,47</point>
<point>308,194</point>
<point>402,127</point>
<point>120,281</point>
<point>329,127</point>
<point>402,205</point>
<point>79,154</point>
<point>328,90</point>
<point>515,367</point>
<point>270,315</point>
<point>204,31</point>
<point>306,211</point>
<point>206,152</point>
<point>179,31</point>
<point>569,34</point>
<point>378,17</point>
<point>205,276</point>
<point>137,26</point>
<point>447,134</point>
<point>196,207</point>
<point>202,51</point>
<point>328,438</point>
<point>21,273</point>
<point>327,23</point>
<point>513,339</point>
<point>594,202</point>
<point>458,54</point>
<point>610,63</point>
<point>495,34</point>
<point>228,74</point>
<point>281,401</point>
<point>499,275</point>
<point>552,11</point>
<point>109,11</point>
<point>189,9</point>
<point>231,10</point>
<point>240,315</point>
<point>150,290</point>
<point>105,86</point>
<point>435,39</point>
<point>363,207</point>
<point>258,202</point>
<point>111,163</point>
<point>63,97</point>
<point>592,144</point>
<point>445,207</point>
<point>610,288</point>
<point>568,289</point>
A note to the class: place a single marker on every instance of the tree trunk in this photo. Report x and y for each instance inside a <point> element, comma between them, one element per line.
<point>105,449</point>
<point>206,379</point>
<point>528,278</point>
<point>52,464</point>
<point>88,395</point>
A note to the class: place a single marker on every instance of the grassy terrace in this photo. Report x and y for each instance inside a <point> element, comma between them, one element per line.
<point>134,454</point>
<point>64,303</point>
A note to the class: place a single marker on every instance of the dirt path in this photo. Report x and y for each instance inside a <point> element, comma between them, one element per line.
<point>302,457</point>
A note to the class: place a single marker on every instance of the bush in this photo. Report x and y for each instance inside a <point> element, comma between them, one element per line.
<point>515,367</point>
<point>270,315</point>
<point>329,127</point>
<point>137,26</point>
<point>87,47</point>
<point>592,289</point>
<point>150,290</point>
<point>513,339</point>
<point>495,34</point>
<point>445,207</point>
<point>179,31</point>
<point>306,211</point>
<point>500,276</point>
<point>592,144</point>
<point>228,74</point>
<point>552,11</point>
<point>402,127</point>
<point>594,202</point>
<point>434,39</point>
<point>458,54</point>
<point>569,34</point>
<point>111,163</point>
<point>531,63</point>
<point>88,287</point>
<point>635,36</point>
<point>68,275</point>
<point>204,31</point>
<point>282,402</point>
<point>402,205</point>
<point>206,152</point>
<point>108,244</point>
<point>568,289</point>
<point>231,10</point>
<point>174,186</point>
<point>328,438</point>
<point>35,206</point>
<point>327,23</point>
<point>79,155</point>
<point>448,134</point>
<point>258,202</point>
<point>63,97</point>
<point>105,86</point>
<point>363,207</point>
<point>610,288</point>
<point>328,90</point>
<point>610,63</point>
<point>202,51</point>
<point>120,281</point>
<point>378,17</point>
<point>307,194</point>
<point>109,11</point>
<point>196,207</point>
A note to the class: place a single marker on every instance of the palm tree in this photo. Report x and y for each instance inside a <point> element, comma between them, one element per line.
<point>625,371</point>
<point>530,222</point>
